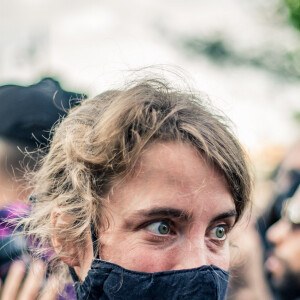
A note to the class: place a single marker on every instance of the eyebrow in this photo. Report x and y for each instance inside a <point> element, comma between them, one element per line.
<point>225,215</point>
<point>183,215</point>
<point>164,212</point>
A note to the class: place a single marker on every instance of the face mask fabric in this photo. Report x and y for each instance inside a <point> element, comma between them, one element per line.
<point>107,281</point>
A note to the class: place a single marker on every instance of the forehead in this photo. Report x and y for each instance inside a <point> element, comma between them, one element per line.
<point>175,162</point>
<point>292,209</point>
<point>173,174</point>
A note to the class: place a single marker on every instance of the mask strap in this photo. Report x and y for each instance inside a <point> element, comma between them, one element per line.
<point>94,240</point>
<point>95,251</point>
<point>73,274</point>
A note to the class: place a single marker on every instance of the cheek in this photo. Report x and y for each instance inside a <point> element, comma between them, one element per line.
<point>290,252</point>
<point>220,258</point>
<point>149,260</point>
<point>136,255</point>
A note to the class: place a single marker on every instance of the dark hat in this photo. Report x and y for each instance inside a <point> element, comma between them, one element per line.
<point>27,113</point>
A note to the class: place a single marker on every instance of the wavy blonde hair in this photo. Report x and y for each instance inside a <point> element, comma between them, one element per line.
<point>102,140</point>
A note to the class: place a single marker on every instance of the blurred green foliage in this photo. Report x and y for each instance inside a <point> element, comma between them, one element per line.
<point>294,12</point>
<point>296,116</point>
<point>278,62</point>
<point>275,59</point>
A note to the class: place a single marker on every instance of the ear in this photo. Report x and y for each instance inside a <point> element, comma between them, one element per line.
<point>70,254</point>
<point>79,259</point>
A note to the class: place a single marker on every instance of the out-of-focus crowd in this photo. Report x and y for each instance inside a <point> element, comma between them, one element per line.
<point>265,255</point>
<point>27,116</point>
<point>266,263</point>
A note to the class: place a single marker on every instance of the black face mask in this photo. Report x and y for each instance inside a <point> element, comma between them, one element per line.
<point>109,281</point>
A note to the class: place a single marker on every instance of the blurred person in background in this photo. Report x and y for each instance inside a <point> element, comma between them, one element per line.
<point>286,179</point>
<point>283,262</point>
<point>267,260</point>
<point>27,115</point>
<point>280,230</point>
<point>247,278</point>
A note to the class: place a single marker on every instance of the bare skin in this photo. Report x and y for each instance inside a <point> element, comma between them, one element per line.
<point>286,240</point>
<point>175,213</point>
<point>15,289</point>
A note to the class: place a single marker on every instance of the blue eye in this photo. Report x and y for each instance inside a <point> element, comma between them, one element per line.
<point>162,228</point>
<point>219,232</point>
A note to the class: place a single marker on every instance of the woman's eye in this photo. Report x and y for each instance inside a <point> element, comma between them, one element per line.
<point>219,232</point>
<point>162,228</point>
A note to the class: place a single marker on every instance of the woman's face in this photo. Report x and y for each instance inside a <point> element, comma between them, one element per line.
<point>175,213</point>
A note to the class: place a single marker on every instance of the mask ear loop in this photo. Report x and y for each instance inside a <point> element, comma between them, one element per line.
<point>95,251</point>
<point>73,274</point>
<point>94,241</point>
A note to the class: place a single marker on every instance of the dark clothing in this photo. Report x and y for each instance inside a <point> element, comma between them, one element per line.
<point>28,113</point>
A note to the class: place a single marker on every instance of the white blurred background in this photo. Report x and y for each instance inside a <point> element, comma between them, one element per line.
<point>244,54</point>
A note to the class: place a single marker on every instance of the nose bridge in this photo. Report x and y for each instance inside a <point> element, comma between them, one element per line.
<point>193,254</point>
<point>277,232</point>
